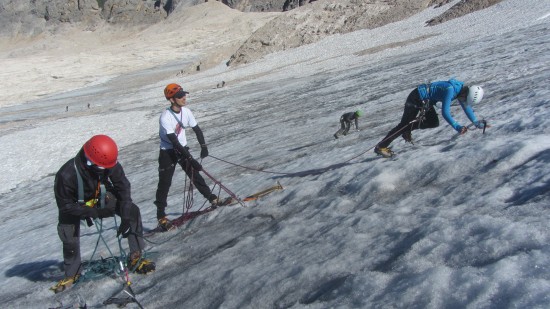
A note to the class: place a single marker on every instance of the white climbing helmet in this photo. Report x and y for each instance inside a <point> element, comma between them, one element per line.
<point>475,94</point>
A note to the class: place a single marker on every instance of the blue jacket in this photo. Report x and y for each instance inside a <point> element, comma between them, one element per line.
<point>445,92</point>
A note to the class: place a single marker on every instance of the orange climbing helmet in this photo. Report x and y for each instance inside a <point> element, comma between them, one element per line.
<point>172,89</point>
<point>101,150</point>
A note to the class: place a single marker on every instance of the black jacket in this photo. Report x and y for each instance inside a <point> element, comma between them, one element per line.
<point>349,117</point>
<point>66,190</point>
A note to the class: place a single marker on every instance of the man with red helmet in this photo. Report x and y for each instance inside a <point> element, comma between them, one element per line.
<point>93,185</point>
<point>173,150</point>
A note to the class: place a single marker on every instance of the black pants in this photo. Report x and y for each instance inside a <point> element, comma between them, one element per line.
<point>69,233</point>
<point>413,106</point>
<point>167,164</point>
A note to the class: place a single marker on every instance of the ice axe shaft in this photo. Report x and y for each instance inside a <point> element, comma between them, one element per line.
<point>263,193</point>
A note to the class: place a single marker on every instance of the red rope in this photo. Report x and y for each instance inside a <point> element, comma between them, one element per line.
<point>222,187</point>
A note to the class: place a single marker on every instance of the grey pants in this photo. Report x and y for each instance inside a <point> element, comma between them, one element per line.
<point>344,127</point>
<point>70,237</point>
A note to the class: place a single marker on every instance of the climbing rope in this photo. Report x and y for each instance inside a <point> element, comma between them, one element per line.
<point>188,201</point>
<point>105,266</point>
<point>322,168</point>
<point>419,119</point>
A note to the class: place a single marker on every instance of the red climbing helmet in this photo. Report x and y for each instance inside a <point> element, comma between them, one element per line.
<point>102,151</point>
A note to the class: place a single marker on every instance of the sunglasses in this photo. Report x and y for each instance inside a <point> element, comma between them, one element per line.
<point>90,164</point>
<point>93,165</point>
<point>180,94</point>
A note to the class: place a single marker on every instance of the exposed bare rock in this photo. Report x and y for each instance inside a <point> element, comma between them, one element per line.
<point>462,8</point>
<point>132,12</point>
<point>311,23</point>
<point>29,18</point>
<point>70,57</point>
<point>308,24</point>
<point>256,5</point>
<point>90,37</point>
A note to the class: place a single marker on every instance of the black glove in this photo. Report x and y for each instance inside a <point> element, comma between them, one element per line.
<point>204,152</point>
<point>105,212</point>
<point>195,164</point>
<point>124,229</point>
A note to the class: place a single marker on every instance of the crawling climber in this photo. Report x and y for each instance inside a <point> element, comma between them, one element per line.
<point>346,120</point>
<point>419,111</point>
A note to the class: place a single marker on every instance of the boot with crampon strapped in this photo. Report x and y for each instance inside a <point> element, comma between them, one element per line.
<point>165,224</point>
<point>384,152</point>
<point>64,284</point>
<point>140,265</point>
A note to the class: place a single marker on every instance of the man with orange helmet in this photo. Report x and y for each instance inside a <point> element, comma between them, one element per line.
<point>173,150</point>
<point>93,185</point>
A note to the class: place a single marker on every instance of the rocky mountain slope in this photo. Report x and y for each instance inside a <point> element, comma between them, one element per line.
<point>311,23</point>
<point>30,18</point>
<point>60,45</point>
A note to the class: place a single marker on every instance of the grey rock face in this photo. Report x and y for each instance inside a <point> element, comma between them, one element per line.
<point>133,12</point>
<point>318,19</point>
<point>462,8</point>
<point>265,5</point>
<point>27,18</point>
<point>307,21</point>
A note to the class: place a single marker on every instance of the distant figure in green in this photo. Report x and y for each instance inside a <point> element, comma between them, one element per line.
<point>345,122</point>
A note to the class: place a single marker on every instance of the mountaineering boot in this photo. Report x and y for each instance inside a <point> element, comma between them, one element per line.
<point>64,284</point>
<point>140,265</point>
<point>336,135</point>
<point>383,151</point>
<point>214,201</point>
<point>407,136</point>
<point>165,224</point>
<point>221,202</point>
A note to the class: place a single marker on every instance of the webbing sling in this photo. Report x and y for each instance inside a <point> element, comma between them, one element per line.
<point>179,121</point>
<point>174,114</point>
<point>81,201</point>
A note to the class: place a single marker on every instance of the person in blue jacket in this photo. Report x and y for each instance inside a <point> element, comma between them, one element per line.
<point>422,101</point>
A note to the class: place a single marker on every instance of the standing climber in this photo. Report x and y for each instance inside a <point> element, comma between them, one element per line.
<point>93,185</point>
<point>173,150</point>
<point>422,101</point>
<point>345,122</point>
